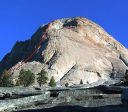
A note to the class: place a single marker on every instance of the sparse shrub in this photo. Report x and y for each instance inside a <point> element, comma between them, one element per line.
<point>26,78</point>
<point>52,82</point>
<point>81,81</point>
<point>5,80</point>
<point>66,85</point>
<point>42,77</point>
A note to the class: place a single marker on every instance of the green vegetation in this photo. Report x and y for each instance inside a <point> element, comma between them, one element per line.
<point>66,85</point>
<point>52,82</point>
<point>5,79</point>
<point>42,77</point>
<point>26,78</point>
<point>81,81</point>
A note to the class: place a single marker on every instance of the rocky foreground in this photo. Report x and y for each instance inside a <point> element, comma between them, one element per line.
<point>67,99</point>
<point>117,108</point>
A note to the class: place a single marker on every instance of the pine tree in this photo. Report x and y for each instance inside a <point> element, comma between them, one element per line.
<point>26,78</point>
<point>52,82</point>
<point>81,81</point>
<point>42,77</point>
<point>66,85</point>
<point>5,79</point>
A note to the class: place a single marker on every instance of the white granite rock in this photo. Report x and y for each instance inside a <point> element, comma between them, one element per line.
<point>74,49</point>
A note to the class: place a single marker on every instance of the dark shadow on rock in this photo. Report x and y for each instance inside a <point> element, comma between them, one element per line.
<point>117,108</point>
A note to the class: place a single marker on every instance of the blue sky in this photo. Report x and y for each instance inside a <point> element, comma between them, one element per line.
<point>19,19</point>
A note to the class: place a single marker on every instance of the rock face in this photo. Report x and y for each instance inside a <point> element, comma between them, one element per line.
<point>74,49</point>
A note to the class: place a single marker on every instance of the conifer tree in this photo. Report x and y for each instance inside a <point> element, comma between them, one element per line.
<point>42,77</point>
<point>52,82</point>
<point>26,78</point>
<point>5,80</point>
<point>81,81</point>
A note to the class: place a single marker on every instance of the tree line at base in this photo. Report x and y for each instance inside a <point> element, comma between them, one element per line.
<point>26,78</point>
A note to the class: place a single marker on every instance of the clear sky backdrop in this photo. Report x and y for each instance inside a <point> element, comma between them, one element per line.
<point>19,19</point>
